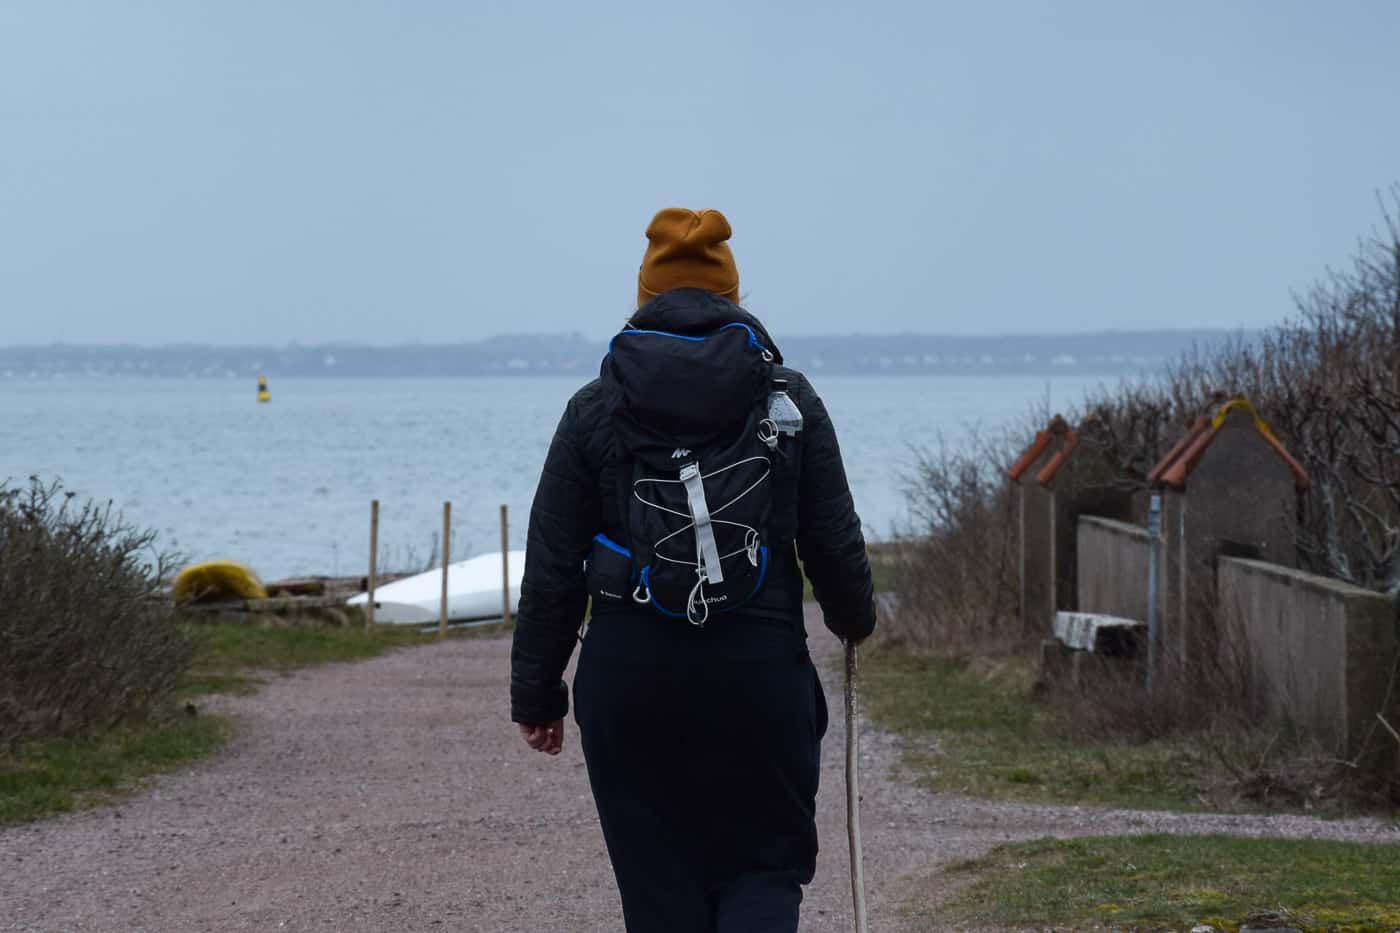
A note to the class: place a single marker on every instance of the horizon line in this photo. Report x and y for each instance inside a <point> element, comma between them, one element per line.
<point>575,335</point>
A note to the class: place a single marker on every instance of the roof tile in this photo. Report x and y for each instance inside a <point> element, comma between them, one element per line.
<point>1173,469</point>
<point>1056,428</point>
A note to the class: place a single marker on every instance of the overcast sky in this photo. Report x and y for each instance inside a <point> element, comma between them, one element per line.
<point>414,171</point>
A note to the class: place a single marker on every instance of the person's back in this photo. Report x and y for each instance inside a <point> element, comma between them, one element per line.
<point>701,715</point>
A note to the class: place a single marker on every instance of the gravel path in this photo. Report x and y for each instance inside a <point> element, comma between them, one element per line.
<point>395,795</point>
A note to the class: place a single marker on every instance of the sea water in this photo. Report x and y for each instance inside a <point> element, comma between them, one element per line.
<point>286,486</point>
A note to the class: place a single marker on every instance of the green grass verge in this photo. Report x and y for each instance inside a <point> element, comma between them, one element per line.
<point>68,774</point>
<point>975,730</point>
<point>1177,881</point>
<point>236,658</point>
<point>62,775</point>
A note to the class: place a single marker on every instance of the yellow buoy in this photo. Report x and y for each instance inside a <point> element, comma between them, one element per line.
<point>215,580</point>
<point>263,394</point>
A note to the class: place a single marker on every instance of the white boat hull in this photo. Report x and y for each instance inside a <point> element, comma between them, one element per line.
<point>473,592</point>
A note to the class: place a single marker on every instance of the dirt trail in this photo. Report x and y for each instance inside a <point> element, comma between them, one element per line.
<point>394,795</point>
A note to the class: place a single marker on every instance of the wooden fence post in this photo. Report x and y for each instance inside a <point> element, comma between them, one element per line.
<point>505,566</point>
<point>446,535</point>
<point>373,558</point>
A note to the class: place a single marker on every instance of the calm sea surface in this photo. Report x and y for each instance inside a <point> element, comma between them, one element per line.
<point>286,487</point>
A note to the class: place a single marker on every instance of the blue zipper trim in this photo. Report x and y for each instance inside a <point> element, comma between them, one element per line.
<point>612,545</point>
<point>753,338</point>
<point>762,572</point>
<point>758,584</point>
<point>651,597</point>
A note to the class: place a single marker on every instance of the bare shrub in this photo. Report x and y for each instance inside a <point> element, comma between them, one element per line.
<point>1327,382</point>
<point>86,639</point>
<point>956,577</point>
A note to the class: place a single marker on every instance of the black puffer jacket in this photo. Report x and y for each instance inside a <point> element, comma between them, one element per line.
<point>577,499</point>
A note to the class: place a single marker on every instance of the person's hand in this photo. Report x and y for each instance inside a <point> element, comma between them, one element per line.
<point>547,737</point>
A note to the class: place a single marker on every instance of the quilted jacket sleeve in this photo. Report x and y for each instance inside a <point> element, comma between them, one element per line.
<point>829,539</point>
<point>553,595</point>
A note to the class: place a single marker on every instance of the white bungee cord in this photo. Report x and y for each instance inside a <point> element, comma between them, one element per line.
<point>697,610</point>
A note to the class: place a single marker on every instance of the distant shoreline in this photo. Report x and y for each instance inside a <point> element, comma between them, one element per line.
<point>1113,353</point>
<point>580,376</point>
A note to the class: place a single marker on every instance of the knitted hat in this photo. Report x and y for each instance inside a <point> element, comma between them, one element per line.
<point>687,250</point>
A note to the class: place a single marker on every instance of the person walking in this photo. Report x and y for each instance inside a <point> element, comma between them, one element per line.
<point>685,493</point>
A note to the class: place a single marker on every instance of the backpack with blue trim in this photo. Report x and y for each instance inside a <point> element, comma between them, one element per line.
<point>698,452</point>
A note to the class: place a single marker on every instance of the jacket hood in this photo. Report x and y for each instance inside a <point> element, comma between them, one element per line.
<point>695,311</point>
<point>667,393</point>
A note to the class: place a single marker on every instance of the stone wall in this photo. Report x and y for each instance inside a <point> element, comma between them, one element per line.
<point>1112,567</point>
<point>1313,651</point>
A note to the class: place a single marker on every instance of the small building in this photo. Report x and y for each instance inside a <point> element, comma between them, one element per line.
<point>1080,480</point>
<point>1230,489</point>
<point>1057,479</point>
<point>1032,504</point>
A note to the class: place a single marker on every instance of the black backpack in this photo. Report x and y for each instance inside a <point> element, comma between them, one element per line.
<point>697,457</point>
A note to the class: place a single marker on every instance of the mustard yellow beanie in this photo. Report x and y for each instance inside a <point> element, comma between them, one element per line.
<point>687,249</point>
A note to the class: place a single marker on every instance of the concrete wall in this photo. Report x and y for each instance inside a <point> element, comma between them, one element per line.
<point>1314,651</point>
<point>1112,569</point>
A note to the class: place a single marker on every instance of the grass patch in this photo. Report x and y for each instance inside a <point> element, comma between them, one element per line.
<point>884,567</point>
<point>235,658</point>
<point>976,731</point>
<point>62,775</point>
<point>1178,881</point>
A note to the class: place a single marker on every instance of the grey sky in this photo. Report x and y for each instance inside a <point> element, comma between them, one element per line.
<point>394,171</point>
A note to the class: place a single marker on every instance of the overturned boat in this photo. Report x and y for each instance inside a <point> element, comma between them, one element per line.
<point>474,591</point>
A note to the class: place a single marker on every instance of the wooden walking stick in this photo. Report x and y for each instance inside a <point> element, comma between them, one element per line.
<point>853,790</point>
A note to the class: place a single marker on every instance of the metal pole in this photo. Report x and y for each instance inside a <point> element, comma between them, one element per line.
<point>505,566</point>
<point>853,791</point>
<point>1154,531</point>
<point>446,536</point>
<point>373,556</point>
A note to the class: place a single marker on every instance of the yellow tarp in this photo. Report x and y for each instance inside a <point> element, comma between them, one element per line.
<point>215,580</point>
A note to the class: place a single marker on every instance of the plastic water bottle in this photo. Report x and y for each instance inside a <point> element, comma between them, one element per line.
<point>782,410</point>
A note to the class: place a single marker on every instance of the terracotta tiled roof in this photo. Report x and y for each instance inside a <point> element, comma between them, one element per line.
<point>1154,475</point>
<point>1052,466</point>
<point>1176,466</point>
<point>1043,439</point>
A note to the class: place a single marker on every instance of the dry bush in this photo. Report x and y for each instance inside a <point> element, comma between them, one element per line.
<point>956,578</point>
<point>1328,383</point>
<point>86,641</point>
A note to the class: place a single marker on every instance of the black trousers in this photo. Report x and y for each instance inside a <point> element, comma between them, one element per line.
<point>703,749</point>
